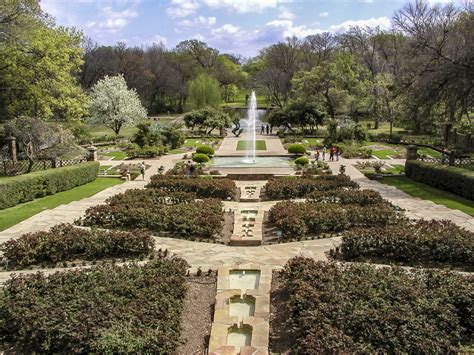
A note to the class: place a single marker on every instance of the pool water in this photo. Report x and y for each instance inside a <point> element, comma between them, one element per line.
<point>244,279</point>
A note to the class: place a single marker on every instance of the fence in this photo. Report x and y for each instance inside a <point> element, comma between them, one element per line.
<point>12,168</point>
<point>463,141</point>
<point>466,162</point>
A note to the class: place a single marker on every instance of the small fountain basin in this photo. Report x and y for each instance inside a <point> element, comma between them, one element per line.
<point>244,279</point>
<point>242,162</point>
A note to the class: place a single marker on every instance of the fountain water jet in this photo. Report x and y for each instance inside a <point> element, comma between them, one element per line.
<point>250,121</point>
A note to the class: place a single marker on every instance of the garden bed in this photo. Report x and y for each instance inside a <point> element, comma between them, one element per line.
<point>103,309</point>
<point>335,308</point>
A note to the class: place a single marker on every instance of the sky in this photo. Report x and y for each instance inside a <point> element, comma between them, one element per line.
<point>232,26</point>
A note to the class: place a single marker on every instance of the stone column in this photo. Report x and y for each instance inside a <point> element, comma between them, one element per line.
<point>412,152</point>
<point>11,141</point>
<point>92,153</point>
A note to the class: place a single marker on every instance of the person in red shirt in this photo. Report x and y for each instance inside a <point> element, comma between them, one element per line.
<point>331,153</point>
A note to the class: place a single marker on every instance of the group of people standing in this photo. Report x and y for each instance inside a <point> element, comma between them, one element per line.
<point>333,152</point>
<point>266,129</point>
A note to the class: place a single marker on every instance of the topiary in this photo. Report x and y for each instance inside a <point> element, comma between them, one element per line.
<point>297,149</point>
<point>303,161</point>
<point>200,158</point>
<point>205,149</point>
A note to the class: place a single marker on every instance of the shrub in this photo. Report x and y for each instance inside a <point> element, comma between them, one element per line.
<point>421,243</point>
<point>345,197</point>
<point>146,152</point>
<point>150,197</point>
<point>204,188</point>
<point>24,188</point>
<point>200,158</point>
<point>302,161</point>
<point>205,149</point>
<point>361,309</point>
<point>297,149</point>
<point>185,220</point>
<point>296,219</point>
<point>288,188</point>
<point>355,151</point>
<point>456,180</point>
<point>106,308</point>
<point>65,242</point>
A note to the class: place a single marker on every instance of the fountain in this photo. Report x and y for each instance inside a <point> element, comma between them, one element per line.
<point>250,121</point>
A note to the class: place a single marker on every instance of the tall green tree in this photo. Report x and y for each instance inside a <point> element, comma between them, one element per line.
<point>39,66</point>
<point>204,91</point>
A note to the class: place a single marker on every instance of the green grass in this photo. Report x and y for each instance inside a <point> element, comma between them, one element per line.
<point>395,169</point>
<point>312,142</point>
<point>430,152</point>
<point>103,168</point>
<point>117,155</point>
<point>385,153</point>
<point>99,131</point>
<point>425,192</point>
<point>13,215</point>
<point>246,145</point>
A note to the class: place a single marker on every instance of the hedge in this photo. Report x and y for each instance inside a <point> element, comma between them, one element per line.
<point>360,309</point>
<point>65,242</point>
<point>27,187</point>
<point>205,149</point>
<point>200,158</point>
<point>297,149</point>
<point>290,187</point>
<point>105,309</point>
<point>204,188</point>
<point>420,243</point>
<point>456,180</point>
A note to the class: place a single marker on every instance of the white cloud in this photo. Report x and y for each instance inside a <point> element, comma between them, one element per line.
<point>199,21</point>
<point>382,22</point>
<point>225,29</point>
<point>113,20</point>
<point>324,14</point>
<point>288,29</point>
<point>242,6</point>
<point>182,8</point>
<point>285,13</point>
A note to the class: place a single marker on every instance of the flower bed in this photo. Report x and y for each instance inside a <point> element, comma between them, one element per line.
<point>423,242</point>
<point>150,197</point>
<point>296,219</point>
<point>65,242</point>
<point>203,187</point>
<point>360,309</point>
<point>103,309</point>
<point>187,220</point>
<point>357,197</point>
<point>288,188</point>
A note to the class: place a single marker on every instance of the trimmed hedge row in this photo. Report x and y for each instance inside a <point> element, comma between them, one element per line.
<point>358,308</point>
<point>422,242</point>
<point>203,187</point>
<point>290,187</point>
<point>65,242</point>
<point>345,197</point>
<point>27,187</point>
<point>456,180</point>
<point>187,220</point>
<point>105,309</point>
<point>149,197</point>
<point>297,219</point>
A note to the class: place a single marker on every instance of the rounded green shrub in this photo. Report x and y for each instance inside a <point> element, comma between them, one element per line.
<point>303,161</point>
<point>205,149</point>
<point>200,158</point>
<point>297,149</point>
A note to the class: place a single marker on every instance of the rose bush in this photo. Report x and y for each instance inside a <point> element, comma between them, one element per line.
<point>65,242</point>
<point>105,309</point>
<point>288,188</point>
<point>358,308</point>
<point>422,242</point>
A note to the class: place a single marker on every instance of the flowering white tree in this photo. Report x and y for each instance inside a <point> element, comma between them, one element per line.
<point>114,105</point>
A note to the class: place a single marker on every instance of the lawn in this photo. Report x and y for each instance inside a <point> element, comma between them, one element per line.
<point>117,155</point>
<point>385,153</point>
<point>425,192</point>
<point>246,145</point>
<point>14,215</point>
<point>394,169</point>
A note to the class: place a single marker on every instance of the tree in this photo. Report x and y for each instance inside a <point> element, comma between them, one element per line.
<point>207,118</point>
<point>38,72</point>
<point>203,92</point>
<point>114,105</point>
<point>301,113</point>
<point>229,75</point>
<point>36,136</point>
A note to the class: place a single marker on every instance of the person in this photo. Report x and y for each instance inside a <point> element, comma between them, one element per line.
<point>337,153</point>
<point>317,154</point>
<point>191,170</point>
<point>268,129</point>
<point>331,154</point>
<point>271,129</point>
<point>262,129</point>
<point>142,169</point>
<point>324,153</point>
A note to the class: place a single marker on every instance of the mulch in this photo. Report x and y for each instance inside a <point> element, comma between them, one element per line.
<point>280,337</point>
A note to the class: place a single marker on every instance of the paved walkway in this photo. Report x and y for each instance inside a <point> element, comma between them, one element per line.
<point>272,142</point>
